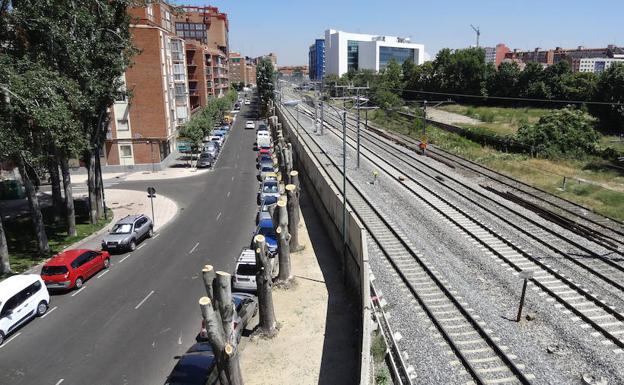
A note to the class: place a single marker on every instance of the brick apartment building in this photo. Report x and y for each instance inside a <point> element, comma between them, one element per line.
<point>206,32</point>
<point>143,130</point>
<point>242,69</point>
<point>571,55</point>
<point>495,55</point>
<point>293,70</point>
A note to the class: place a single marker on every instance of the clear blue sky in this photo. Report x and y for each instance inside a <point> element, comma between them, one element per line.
<point>289,27</point>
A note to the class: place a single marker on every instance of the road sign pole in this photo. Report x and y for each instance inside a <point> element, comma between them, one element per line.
<point>151,194</point>
<point>152,202</point>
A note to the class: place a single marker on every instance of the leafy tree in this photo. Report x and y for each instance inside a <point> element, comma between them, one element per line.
<point>567,132</point>
<point>504,82</point>
<point>264,81</point>
<point>610,89</point>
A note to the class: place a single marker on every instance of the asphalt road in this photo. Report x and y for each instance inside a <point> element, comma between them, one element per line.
<point>127,323</point>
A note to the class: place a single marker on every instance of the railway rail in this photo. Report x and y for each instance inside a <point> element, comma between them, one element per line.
<point>480,354</point>
<point>599,315</point>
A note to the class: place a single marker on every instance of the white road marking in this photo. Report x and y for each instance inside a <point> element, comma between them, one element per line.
<point>9,340</point>
<point>78,292</point>
<point>60,381</point>
<point>228,194</point>
<point>124,258</point>
<point>105,271</point>
<point>49,311</point>
<point>232,178</point>
<point>140,247</point>
<point>194,247</point>
<point>155,236</point>
<point>219,216</point>
<point>144,299</point>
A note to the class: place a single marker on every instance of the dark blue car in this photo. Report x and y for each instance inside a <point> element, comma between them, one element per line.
<point>265,227</point>
<point>197,366</point>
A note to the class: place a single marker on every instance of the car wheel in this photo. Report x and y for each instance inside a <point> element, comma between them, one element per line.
<point>132,245</point>
<point>107,263</point>
<point>1,338</point>
<point>78,283</point>
<point>150,233</point>
<point>42,308</point>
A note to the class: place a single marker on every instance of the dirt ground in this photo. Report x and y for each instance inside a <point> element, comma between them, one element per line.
<point>316,343</point>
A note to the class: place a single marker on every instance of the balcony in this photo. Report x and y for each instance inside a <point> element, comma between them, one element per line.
<point>193,92</point>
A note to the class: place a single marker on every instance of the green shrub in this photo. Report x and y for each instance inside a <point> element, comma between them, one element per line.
<point>378,347</point>
<point>487,116</point>
<point>382,377</point>
<point>566,132</point>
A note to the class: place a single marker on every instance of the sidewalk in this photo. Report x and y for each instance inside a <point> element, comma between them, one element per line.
<point>316,343</point>
<point>178,171</point>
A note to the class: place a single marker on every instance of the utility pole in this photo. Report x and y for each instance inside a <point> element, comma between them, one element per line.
<point>322,116</point>
<point>357,104</point>
<point>478,31</point>
<point>423,138</point>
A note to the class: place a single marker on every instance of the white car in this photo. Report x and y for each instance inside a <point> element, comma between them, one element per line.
<point>247,102</point>
<point>244,278</point>
<point>218,139</point>
<point>250,124</point>
<point>263,139</point>
<point>22,297</point>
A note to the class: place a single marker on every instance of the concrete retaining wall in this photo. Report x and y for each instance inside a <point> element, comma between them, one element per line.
<point>327,200</point>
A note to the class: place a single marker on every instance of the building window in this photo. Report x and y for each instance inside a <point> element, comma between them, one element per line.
<point>122,125</point>
<point>397,53</point>
<point>125,150</point>
<point>352,55</point>
<point>150,12</point>
<point>178,71</point>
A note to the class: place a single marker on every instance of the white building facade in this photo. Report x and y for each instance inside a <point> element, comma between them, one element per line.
<point>346,51</point>
<point>598,64</point>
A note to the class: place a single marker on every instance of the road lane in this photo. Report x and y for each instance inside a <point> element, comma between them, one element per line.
<point>98,336</point>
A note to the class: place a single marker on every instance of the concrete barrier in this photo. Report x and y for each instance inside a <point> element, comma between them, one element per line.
<point>327,200</point>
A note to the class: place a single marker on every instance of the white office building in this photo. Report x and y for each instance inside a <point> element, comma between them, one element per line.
<point>598,64</point>
<point>346,51</point>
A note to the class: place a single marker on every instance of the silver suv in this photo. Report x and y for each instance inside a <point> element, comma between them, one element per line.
<point>126,233</point>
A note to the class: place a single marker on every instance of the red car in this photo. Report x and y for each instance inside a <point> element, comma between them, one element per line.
<point>264,151</point>
<point>71,268</point>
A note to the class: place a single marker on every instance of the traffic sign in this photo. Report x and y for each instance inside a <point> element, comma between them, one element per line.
<point>151,192</point>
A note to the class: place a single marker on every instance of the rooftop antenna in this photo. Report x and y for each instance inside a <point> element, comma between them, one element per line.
<point>478,31</point>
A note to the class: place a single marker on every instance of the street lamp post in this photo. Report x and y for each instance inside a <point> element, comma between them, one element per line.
<point>344,183</point>
<point>358,128</point>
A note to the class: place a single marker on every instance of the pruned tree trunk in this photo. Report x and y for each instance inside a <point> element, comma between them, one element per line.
<point>5,263</point>
<point>223,302</point>
<point>90,163</point>
<point>35,209</point>
<point>55,182</point>
<point>267,324</point>
<point>208,276</point>
<point>70,213</point>
<point>99,199</point>
<point>280,223</point>
<point>293,217</point>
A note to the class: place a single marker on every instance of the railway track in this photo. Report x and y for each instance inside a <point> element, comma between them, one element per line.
<point>609,228</point>
<point>602,317</point>
<point>476,349</point>
<point>609,268</point>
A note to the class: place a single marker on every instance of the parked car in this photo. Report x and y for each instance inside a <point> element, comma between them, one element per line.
<point>250,124</point>
<point>211,148</point>
<point>262,159</point>
<point>22,297</point>
<point>129,231</point>
<point>247,102</point>
<point>269,192</point>
<point>245,308</point>
<point>265,227</point>
<point>262,127</point>
<point>217,139</point>
<point>220,132</point>
<point>264,170</point>
<point>244,277</point>
<point>270,176</point>
<point>263,139</point>
<point>71,268</point>
<point>205,160</point>
<point>198,366</point>
<point>237,106</point>
<point>264,151</point>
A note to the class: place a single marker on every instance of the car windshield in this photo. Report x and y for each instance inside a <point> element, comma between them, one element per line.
<point>205,156</point>
<point>121,228</point>
<point>245,269</point>
<point>270,188</point>
<point>267,169</point>
<point>53,270</point>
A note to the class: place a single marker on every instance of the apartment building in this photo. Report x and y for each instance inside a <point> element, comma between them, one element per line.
<point>495,55</point>
<point>242,69</point>
<point>206,31</point>
<point>598,65</point>
<point>571,55</point>
<point>143,130</point>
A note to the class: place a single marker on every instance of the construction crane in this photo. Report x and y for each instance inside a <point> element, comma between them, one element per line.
<point>478,31</point>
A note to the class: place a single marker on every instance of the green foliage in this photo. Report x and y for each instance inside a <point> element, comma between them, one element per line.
<point>265,75</point>
<point>566,132</point>
<point>610,89</point>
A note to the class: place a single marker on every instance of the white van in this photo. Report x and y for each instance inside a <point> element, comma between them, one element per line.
<point>22,297</point>
<point>263,139</point>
